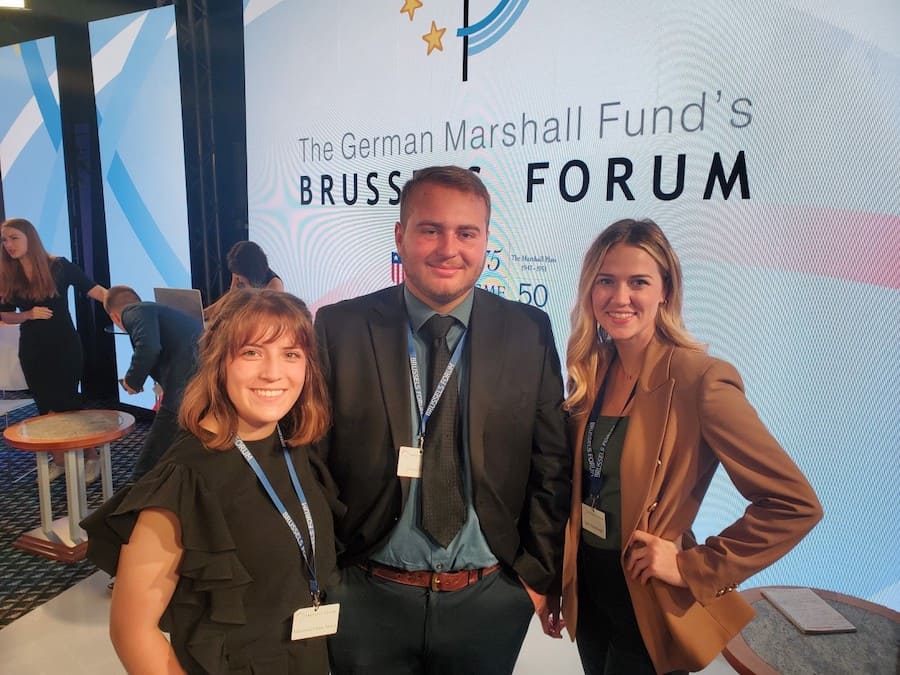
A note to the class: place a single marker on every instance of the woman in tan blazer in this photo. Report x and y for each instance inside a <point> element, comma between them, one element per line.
<point>651,418</point>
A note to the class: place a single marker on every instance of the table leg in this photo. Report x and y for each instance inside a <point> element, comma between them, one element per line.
<point>73,478</point>
<point>82,486</point>
<point>106,471</point>
<point>43,476</point>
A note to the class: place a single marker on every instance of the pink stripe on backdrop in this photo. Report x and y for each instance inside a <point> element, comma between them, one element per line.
<point>858,246</point>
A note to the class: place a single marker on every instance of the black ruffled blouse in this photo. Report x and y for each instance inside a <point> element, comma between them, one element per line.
<point>242,575</point>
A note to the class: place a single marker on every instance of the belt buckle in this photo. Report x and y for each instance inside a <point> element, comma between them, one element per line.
<point>435,582</point>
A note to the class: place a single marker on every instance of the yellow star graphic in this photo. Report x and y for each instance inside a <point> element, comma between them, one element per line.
<point>433,38</point>
<point>410,7</point>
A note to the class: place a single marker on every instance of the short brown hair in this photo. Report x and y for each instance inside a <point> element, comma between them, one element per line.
<point>254,315</point>
<point>119,297</point>
<point>456,177</point>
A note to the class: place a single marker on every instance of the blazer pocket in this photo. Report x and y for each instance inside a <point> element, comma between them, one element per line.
<point>700,632</point>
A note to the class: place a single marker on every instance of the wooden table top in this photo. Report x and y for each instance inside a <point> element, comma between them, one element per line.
<point>72,430</point>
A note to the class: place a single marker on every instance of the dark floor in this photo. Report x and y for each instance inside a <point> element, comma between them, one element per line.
<point>28,580</point>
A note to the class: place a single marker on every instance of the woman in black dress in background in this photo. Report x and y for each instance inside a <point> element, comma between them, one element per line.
<point>198,546</point>
<point>249,267</point>
<point>37,283</point>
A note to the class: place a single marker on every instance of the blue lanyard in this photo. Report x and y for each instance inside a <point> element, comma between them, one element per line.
<point>442,384</point>
<point>310,561</point>
<point>595,464</point>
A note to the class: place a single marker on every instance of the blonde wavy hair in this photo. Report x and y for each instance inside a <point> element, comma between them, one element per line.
<point>589,346</point>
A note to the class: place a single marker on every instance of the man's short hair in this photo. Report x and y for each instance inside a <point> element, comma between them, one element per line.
<point>119,297</point>
<point>456,177</point>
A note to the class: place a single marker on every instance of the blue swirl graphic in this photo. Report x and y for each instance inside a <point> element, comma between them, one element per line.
<point>494,26</point>
<point>43,94</point>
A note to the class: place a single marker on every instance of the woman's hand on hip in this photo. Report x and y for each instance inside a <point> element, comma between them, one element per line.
<point>650,557</point>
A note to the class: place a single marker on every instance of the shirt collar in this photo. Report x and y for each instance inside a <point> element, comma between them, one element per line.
<point>419,312</point>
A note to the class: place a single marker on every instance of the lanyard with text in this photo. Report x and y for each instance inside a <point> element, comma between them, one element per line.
<point>595,464</point>
<point>310,560</point>
<point>425,413</point>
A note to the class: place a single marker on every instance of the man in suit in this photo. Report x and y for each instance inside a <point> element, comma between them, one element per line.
<point>452,486</point>
<point>165,347</point>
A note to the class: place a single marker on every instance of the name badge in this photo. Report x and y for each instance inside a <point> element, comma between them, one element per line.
<point>311,622</point>
<point>593,520</point>
<point>409,463</point>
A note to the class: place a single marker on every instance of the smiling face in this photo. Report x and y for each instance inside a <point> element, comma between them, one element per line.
<point>14,241</point>
<point>263,381</point>
<point>626,295</point>
<point>442,244</point>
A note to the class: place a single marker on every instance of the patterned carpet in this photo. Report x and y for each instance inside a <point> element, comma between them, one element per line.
<point>28,580</point>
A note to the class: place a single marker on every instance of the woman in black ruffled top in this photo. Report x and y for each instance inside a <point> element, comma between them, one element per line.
<point>198,546</point>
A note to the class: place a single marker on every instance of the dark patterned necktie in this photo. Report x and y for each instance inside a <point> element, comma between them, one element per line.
<point>443,504</point>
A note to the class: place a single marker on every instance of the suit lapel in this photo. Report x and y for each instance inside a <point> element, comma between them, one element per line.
<point>487,333</point>
<point>387,325</point>
<point>577,425</point>
<point>644,438</point>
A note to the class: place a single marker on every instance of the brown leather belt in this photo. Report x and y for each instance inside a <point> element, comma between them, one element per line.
<point>436,581</point>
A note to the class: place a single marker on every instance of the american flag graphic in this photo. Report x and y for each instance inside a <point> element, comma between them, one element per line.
<point>396,268</point>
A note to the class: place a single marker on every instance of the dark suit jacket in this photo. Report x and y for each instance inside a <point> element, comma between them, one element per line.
<point>690,414</point>
<point>521,467</point>
<point>165,348</point>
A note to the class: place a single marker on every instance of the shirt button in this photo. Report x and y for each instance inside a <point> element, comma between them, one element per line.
<point>652,507</point>
<point>439,567</point>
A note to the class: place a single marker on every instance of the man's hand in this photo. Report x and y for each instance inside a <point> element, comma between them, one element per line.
<point>129,389</point>
<point>547,609</point>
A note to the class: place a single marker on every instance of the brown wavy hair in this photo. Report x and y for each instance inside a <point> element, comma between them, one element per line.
<point>254,315</point>
<point>589,347</point>
<point>13,281</point>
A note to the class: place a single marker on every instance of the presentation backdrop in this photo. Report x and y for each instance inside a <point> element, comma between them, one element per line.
<point>762,136</point>
<point>31,149</point>
<point>135,66</point>
<point>32,164</point>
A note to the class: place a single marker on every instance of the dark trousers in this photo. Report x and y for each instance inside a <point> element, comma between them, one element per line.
<point>159,438</point>
<point>609,640</point>
<point>390,628</point>
<point>52,373</point>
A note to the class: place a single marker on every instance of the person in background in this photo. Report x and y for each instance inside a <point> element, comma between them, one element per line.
<point>228,543</point>
<point>165,347</point>
<point>249,268</point>
<point>651,418</point>
<point>448,452</point>
<point>36,284</point>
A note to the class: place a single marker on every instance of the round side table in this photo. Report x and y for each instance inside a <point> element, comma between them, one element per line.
<point>771,644</point>
<point>70,433</point>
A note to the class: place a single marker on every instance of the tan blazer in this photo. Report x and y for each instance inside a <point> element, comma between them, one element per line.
<point>688,415</point>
